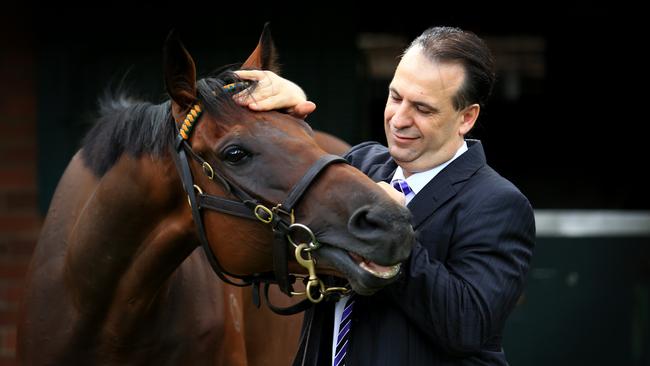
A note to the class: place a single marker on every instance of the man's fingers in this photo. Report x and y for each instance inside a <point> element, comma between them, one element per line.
<point>244,98</point>
<point>303,109</point>
<point>260,93</point>
<point>266,104</point>
<point>273,92</point>
<point>250,74</point>
<point>393,193</point>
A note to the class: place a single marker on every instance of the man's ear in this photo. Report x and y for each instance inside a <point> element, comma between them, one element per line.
<point>264,57</point>
<point>468,117</point>
<point>180,74</point>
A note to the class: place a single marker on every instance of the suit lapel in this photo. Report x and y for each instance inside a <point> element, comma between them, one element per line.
<point>438,191</point>
<point>447,183</point>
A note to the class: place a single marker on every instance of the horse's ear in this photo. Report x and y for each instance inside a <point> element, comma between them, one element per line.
<point>264,57</point>
<point>180,73</point>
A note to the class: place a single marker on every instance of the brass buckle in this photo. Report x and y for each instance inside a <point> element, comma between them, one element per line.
<point>280,211</point>
<point>266,210</point>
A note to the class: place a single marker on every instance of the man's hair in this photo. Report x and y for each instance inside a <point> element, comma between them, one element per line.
<point>454,45</point>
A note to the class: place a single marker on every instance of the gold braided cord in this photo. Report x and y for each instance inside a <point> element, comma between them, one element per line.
<point>191,117</point>
<point>194,113</point>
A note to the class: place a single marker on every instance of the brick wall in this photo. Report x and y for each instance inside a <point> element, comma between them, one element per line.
<point>19,218</point>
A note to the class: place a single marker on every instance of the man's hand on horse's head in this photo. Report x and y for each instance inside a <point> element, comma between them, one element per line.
<point>273,92</point>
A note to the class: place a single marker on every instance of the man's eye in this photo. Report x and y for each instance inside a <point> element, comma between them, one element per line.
<point>235,154</point>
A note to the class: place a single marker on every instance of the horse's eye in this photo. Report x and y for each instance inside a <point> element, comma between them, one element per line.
<point>235,154</point>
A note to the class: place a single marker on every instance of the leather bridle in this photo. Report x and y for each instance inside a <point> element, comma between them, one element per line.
<point>280,217</point>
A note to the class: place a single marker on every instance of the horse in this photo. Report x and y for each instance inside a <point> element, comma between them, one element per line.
<point>330,143</point>
<point>160,197</point>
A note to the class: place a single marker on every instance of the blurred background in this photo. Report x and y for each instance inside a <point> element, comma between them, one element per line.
<point>566,124</point>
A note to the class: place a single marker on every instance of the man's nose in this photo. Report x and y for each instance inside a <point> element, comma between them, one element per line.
<point>402,117</point>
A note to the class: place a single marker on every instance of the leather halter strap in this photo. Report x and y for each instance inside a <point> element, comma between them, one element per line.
<point>250,208</point>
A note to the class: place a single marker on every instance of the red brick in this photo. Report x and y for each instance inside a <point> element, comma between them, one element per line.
<point>9,361</point>
<point>12,129</point>
<point>19,99</point>
<point>11,292</point>
<point>25,154</point>
<point>17,164</point>
<point>18,200</point>
<point>17,248</point>
<point>18,223</point>
<point>7,341</point>
<point>11,289</point>
<point>17,109</point>
<point>13,269</point>
<point>9,318</point>
<point>17,178</point>
<point>13,144</point>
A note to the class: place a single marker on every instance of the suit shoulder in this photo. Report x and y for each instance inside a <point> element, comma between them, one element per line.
<point>366,154</point>
<point>496,188</point>
<point>368,148</point>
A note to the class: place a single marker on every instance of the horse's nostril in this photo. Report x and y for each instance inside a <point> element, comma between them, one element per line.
<point>385,230</point>
<point>367,222</point>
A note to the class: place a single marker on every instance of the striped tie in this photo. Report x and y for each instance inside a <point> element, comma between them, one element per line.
<point>402,186</point>
<point>344,332</point>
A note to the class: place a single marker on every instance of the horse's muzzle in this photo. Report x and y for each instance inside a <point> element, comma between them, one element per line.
<point>386,231</point>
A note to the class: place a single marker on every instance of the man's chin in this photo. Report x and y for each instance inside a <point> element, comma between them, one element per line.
<point>402,155</point>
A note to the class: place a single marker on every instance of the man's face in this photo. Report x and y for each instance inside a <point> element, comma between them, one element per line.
<point>422,128</point>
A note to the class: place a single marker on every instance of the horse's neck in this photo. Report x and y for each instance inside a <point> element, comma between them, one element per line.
<point>128,239</point>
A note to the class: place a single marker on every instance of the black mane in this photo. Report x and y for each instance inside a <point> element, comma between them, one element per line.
<point>128,126</point>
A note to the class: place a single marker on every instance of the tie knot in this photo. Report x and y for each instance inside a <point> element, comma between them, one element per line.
<point>402,186</point>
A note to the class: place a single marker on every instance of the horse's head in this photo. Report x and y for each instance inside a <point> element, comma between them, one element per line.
<point>263,156</point>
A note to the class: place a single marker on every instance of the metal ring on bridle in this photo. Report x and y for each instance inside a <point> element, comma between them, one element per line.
<point>198,189</point>
<point>313,243</point>
<point>207,170</point>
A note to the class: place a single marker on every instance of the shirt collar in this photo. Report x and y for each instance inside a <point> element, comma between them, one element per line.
<point>417,181</point>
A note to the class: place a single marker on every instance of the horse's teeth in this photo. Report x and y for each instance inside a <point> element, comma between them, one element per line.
<point>391,271</point>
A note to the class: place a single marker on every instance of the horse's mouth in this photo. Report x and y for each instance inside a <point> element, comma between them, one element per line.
<point>385,272</point>
<point>365,277</point>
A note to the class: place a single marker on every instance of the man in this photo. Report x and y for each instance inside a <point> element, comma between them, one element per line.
<point>475,229</point>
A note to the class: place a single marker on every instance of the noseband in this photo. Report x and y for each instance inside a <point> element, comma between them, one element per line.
<point>280,217</point>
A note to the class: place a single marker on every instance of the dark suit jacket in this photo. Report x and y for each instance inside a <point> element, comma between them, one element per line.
<point>476,235</point>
